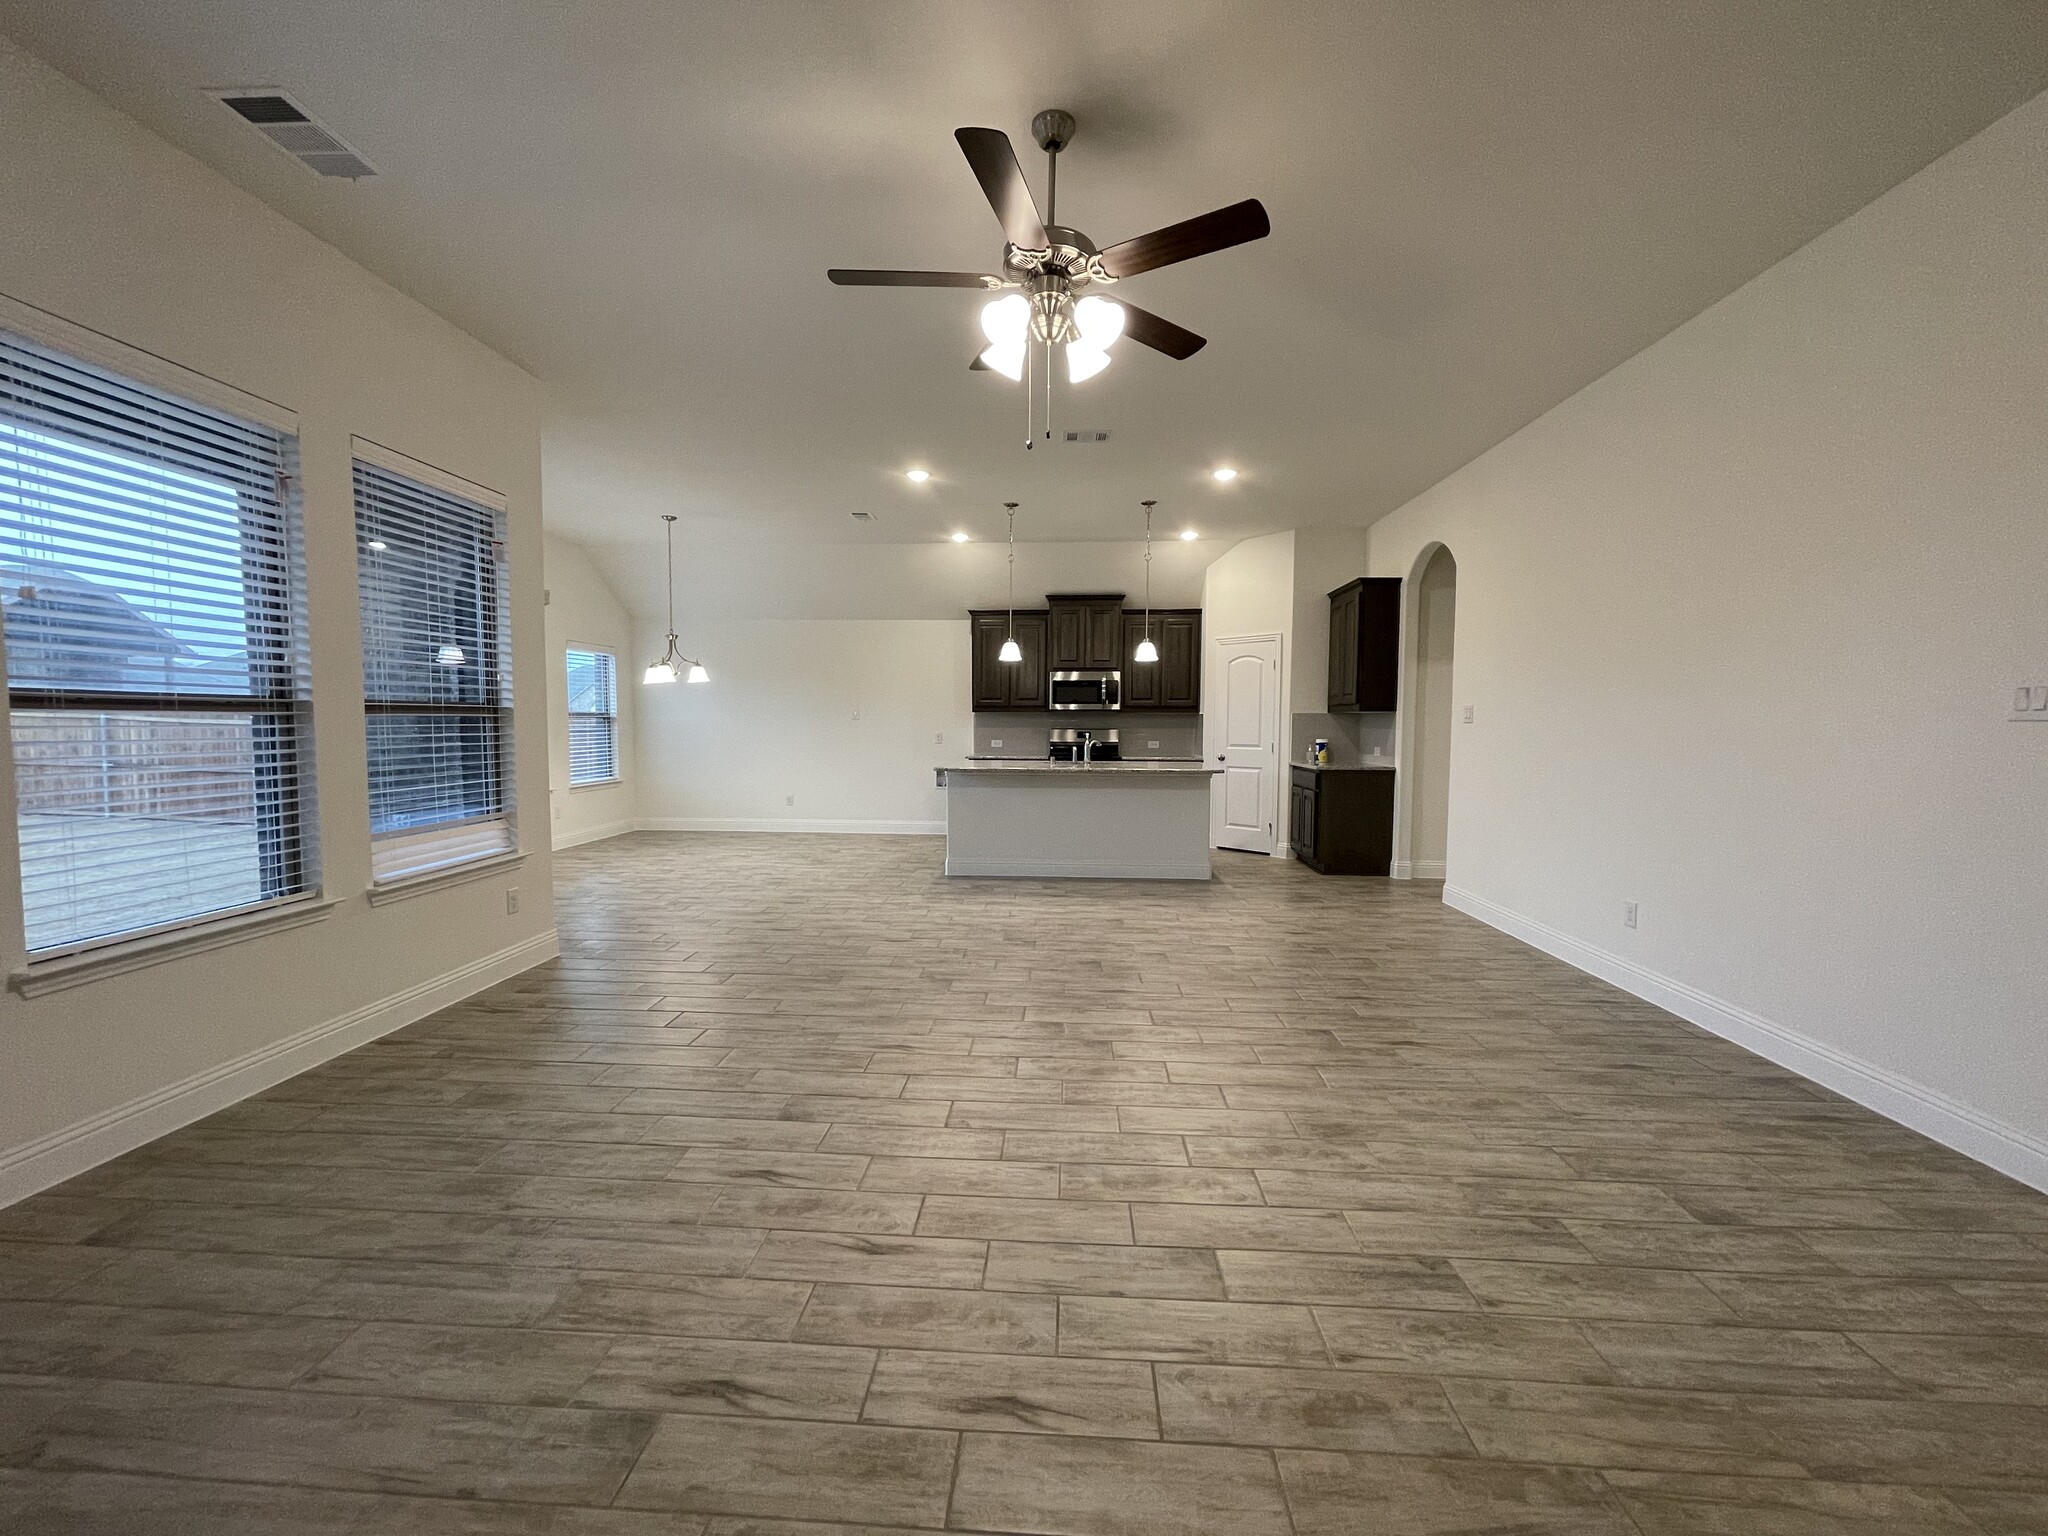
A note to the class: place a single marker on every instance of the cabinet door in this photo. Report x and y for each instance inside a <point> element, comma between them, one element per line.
<point>1178,634</point>
<point>1301,823</point>
<point>1344,648</point>
<point>1142,680</point>
<point>1027,677</point>
<point>989,678</point>
<point>1069,637</point>
<point>1378,685</point>
<point>1105,635</point>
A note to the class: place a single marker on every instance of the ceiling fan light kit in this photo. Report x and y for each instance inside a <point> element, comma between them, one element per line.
<point>1045,264</point>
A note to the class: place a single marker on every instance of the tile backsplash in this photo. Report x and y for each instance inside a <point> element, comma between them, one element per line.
<point>1353,738</point>
<point>1025,735</point>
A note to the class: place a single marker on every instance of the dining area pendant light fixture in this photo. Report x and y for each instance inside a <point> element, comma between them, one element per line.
<point>1146,650</point>
<point>1011,651</point>
<point>673,663</point>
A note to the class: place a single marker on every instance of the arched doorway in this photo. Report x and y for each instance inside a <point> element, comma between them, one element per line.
<point>1429,723</point>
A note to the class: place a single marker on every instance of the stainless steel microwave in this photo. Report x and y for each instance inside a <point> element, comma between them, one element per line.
<point>1086,690</point>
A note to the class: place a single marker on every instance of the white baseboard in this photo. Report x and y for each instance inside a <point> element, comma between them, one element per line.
<point>1400,869</point>
<point>596,834</point>
<point>1078,869</point>
<point>789,824</point>
<point>62,1154</point>
<point>1425,869</point>
<point>1955,1125</point>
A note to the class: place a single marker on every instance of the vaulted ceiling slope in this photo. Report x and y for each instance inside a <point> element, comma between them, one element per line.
<point>1478,206</point>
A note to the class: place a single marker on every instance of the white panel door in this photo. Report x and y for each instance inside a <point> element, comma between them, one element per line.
<point>1247,743</point>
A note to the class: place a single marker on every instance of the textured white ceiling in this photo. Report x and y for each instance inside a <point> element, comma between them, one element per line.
<point>1478,207</point>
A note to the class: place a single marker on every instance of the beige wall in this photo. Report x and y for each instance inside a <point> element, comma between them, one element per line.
<point>1436,610</point>
<point>1740,624</point>
<point>110,228</point>
<point>581,611</point>
<point>847,718</point>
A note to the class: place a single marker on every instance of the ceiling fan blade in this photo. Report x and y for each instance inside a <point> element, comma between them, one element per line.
<point>995,166</point>
<point>1146,328</point>
<point>1193,237</point>
<point>868,277</point>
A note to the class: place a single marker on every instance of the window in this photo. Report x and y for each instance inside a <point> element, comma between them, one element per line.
<point>431,572</point>
<point>593,717</point>
<point>156,672</point>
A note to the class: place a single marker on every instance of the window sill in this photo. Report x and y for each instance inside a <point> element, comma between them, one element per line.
<point>611,783</point>
<point>55,975</point>
<point>443,879</point>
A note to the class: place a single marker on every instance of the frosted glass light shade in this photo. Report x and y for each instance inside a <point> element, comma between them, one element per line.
<point>660,672</point>
<point>1011,651</point>
<point>1146,650</point>
<point>697,673</point>
<point>1084,362</point>
<point>1004,322</point>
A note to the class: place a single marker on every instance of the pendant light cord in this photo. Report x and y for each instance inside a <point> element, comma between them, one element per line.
<point>1010,631</point>
<point>669,519</point>
<point>1148,506</point>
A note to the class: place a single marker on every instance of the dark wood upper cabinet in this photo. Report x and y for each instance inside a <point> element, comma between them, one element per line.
<point>1085,630</point>
<point>1365,645</point>
<point>1174,681</point>
<point>999,684</point>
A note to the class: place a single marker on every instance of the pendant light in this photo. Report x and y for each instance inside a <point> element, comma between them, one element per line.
<point>1147,651</point>
<point>1011,651</point>
<point>672,660</point>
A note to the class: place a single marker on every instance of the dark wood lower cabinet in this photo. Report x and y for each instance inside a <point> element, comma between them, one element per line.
<point>1341,820</point>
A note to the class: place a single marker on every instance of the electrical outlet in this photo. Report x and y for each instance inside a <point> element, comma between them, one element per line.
<point>1151,746</point>
<point>1468,714</point>
<point>996,741</point>
<point>789,799</point>
<point>938,738</point>
<point>1628,914</point>
<point>511,901</point>
<point>856,714</point>
<point>558,813</point>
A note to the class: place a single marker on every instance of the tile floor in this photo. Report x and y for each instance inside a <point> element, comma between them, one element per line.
<point>812,1193</point>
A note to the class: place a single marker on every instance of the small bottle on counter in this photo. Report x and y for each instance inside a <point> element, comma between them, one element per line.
<point>1321,755</point>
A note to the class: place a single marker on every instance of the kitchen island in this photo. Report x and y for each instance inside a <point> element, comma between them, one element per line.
<point>1131,820</point>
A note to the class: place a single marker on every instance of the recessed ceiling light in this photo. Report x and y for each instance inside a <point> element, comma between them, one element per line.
<point>917,476</point>
<point>959,538</point>
<point>1226,474</point>
<point>1189,534</point>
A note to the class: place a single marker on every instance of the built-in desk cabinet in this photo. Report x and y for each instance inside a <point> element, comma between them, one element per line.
<point>999,684</point>
<point>1174,681</point>
<point>1365,645</point>
<point>1341,820</point>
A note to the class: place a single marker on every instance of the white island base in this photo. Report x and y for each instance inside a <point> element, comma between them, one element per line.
<point>1107,821</point>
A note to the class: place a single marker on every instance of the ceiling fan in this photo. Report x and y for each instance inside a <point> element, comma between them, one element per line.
<point>1046,263</point>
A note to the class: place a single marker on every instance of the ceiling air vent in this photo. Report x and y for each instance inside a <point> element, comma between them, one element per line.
<point>1088,435</point>
<point>287,125</point>
<point>863,517</point>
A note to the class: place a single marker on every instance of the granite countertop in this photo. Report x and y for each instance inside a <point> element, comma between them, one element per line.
<point>1368,765</point>
<point>1156,766</point>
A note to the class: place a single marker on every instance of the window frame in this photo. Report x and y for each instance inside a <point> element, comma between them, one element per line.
<point>618,770</point>
<point>290,862</point>
<point>493,579</point>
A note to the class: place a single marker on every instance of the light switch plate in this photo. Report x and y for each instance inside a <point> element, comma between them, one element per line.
<point>1468,714</point>
<point>2030,703</point>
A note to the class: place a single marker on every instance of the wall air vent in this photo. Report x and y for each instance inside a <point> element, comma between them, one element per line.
<point>1088,435</point>
<point>288,125</point>
<point>863,517</point>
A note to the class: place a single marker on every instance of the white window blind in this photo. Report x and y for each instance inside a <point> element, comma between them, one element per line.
<point>436,684</point>
<point>156,672</point>
<point>593,717</point>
